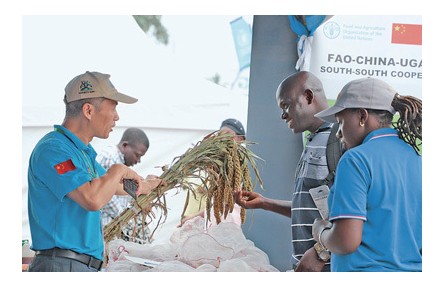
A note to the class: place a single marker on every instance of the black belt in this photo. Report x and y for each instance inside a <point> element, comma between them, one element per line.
<point>83,258</point>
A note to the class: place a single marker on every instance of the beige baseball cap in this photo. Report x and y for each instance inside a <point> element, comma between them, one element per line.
<point>369,93</point>
<point>94,85</point>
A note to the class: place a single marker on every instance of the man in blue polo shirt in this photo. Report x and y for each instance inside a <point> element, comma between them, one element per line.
<point>67,187</point>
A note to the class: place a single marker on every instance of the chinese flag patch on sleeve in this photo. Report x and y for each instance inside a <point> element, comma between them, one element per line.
<point>406,34</point>
<point>64,167</point>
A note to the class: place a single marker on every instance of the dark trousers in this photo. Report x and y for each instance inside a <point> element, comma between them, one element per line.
<point>43,263</point>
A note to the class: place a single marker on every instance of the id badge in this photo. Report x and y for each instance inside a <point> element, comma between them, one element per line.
<point>320,196</point>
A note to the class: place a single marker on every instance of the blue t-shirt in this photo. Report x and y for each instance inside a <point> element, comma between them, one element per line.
<point>60,163</point>
<point>380,182</point>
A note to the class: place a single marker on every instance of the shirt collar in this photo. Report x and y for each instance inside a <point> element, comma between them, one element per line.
<point>76,140</point>
<point>325,126</point>
<point>121,155</point>
<point>380,132</point>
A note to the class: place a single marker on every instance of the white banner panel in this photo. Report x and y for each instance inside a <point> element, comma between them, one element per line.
<point>386,47</point>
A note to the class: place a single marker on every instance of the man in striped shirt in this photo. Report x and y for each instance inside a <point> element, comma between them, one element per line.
<point>301,96</point>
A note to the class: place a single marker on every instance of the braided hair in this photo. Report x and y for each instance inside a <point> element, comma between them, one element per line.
<point>409,125</point>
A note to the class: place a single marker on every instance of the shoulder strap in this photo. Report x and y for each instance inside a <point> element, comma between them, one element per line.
<point>333,153</point>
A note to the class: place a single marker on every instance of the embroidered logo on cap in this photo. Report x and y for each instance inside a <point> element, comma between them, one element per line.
<point>86,87</point>
<point>64,167</point>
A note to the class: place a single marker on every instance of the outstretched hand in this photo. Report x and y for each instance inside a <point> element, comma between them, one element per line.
<point>248,199</point>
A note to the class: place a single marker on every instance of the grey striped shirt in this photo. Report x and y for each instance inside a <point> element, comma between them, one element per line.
<point>311,172</point>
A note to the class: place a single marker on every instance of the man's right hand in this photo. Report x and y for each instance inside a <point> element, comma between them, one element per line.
<point>248,199</point>
<point>253,200</point>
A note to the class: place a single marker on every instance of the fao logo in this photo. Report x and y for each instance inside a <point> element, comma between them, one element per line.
<point>331,30</point>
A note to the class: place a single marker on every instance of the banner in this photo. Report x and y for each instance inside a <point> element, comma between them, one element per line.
<point>242,36</point>
<point>346,48</point>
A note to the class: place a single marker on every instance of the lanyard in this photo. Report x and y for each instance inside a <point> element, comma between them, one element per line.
<point>90,165</point>
<point>91,169</point>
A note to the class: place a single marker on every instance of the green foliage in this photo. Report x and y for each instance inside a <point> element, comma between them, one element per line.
<point>151,24</point>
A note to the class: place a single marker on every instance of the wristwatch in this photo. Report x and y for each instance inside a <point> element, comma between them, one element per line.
<point>323,254</point>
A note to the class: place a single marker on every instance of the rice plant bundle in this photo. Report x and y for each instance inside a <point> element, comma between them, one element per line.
<point>221,166</point>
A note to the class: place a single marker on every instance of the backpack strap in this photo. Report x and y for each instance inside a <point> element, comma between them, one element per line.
<point>333,153</point>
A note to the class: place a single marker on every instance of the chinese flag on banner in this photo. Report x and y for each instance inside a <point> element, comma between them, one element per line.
<point>406,34</point>
<point>64,167</point>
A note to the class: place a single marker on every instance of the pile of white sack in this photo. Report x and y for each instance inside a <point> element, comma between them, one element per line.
<point>222,248</point>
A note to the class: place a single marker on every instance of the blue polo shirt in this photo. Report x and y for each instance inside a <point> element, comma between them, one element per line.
<point>60,163</point>
<point>380,182</point>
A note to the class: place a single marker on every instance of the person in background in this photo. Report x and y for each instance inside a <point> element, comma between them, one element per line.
<point>300,96</point>
<point>196,206</point>
<point>375,205</point>
<point>68,187</point>
<point>129,151</point>
<point>234,127</point>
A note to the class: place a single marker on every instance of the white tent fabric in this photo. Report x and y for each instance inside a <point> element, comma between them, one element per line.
<point>175,109</point>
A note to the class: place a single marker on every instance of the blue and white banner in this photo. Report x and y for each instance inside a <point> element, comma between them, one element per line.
<point>242,36</point>
<point>385,47</point>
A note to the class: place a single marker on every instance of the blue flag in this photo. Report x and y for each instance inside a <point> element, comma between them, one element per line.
<point>242,36</point>
<point>305,26</point>
<point>308,28</point>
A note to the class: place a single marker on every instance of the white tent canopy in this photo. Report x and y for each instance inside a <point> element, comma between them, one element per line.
<point>175,109</point>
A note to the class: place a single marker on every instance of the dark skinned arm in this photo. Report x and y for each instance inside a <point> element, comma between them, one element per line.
<point>344,237</point>
<point>253,200</point>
